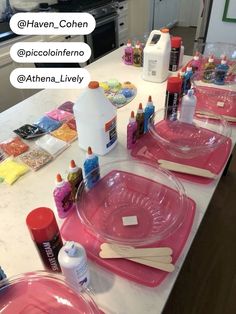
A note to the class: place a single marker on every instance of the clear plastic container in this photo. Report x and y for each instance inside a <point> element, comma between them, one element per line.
<point>42,292</point>
<point>220,99</point>
<point>186,140</point>
<point>217,49</point>
<point>129,188</point>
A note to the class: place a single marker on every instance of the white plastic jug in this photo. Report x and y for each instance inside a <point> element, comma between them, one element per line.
<point>157,56</point>
<point>95,120</point>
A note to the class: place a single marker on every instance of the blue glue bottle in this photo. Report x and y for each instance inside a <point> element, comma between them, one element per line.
<point>187,79</point>
<point>221,71</point>
<point>148,112</point>
<point>91,168</point>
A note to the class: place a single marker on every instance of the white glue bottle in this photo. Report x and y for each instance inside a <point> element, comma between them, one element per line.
<point>157,56</point>
<point>188,107</point>
<point>73,261</point>
<point>95,120</point>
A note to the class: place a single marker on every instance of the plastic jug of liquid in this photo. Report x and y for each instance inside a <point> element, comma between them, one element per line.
<point>95,120</point>
<point>157,56</point>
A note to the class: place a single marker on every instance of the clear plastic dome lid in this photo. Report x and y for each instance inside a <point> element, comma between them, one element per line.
<point>42,292</point>
<point>132,203</point>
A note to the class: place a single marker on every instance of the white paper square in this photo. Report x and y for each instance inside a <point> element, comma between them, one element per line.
<point>130,220</point>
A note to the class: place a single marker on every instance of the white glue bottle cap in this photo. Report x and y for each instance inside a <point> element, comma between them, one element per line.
<point>129,43</point>
<point>71,248</point>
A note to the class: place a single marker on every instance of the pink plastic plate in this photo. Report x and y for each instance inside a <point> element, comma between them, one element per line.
<point>41,293</point>
<point>147,149</point>
<point>73,229</point>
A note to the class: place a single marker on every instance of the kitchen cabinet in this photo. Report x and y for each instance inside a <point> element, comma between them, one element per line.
<point>123,9</point>
<point>10,95</point>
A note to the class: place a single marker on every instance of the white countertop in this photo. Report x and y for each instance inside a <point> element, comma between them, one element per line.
<point>17,252</point>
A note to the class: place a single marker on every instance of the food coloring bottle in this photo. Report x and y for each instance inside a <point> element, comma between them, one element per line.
<point>91,168</point>
<point>209,70</point>
<point>196,63</point>
<point>187,79</point>
<point>221,71</point>
<point>75,177</point>
<point>140,121</point>
<point>62,197</point>
<point>74,265</point>
<point>173,94</point>
<point>129,54</point>
<point>175,53</point>
<point>44,231</point>
<point>131,131</point>
<point>188,107</point>
<point>138,55</point>
<point>148,112</point>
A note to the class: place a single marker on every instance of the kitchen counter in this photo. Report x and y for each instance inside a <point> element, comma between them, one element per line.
<point>18,254</point>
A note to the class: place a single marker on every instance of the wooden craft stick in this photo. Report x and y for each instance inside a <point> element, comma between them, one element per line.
<point>173,166</point>
<point>215,117</point>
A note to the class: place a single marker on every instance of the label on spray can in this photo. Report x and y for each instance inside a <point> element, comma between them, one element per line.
<point>73,261</point>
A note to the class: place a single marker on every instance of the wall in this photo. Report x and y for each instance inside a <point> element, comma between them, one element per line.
<point>189,12</point>
<point>218,30</point>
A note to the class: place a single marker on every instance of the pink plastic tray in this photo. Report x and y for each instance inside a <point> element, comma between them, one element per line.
<point>209,103</point>
<point>147,149</point>
<point>73,229</point>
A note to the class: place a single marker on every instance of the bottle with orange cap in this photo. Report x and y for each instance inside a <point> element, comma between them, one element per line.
<point>148,112</point>
<point>91,168</point>
<point>75,177</point>
<point>129,53</point>
<point>140,121</point>
<point>62,197</point>
<point>96,120</point>
<point>157,56</point>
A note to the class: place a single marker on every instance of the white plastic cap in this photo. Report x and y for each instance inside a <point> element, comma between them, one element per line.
<point>71,248</point>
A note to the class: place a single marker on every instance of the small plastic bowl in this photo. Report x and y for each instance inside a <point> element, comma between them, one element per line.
<point>42,292</point>
<point>185,140</point>
<point>150,199</point>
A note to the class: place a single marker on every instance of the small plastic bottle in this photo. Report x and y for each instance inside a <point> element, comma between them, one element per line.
<point>187,79</point>
<point>188,107</point>
<point>131,131</point>
<point>74,265</point>
<point>129,54</point>
<point>173,94</point>
<point>221,71</point>
<point>138,51</point>
<point>91,168</point>
<point>181,55</point>
<point>209,69</point>
<point>62,197</point>
<point>196,63</point>
<point>140,121</point>
<point>175,53</point>
<point>148,112</point>
<point>75,177</point>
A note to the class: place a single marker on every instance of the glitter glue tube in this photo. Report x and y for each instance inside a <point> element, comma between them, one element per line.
<point>75,177</point>
<point>173,92</point>
<point>62,197</point>
<point>196,63</point>
<point>91,168</point>
<point>140,121</point>
<point>187,79</point>
<point>138,51</point>
<point>148,112</point>
<point>221,71</point>
<point>129,54</point>
<point>131,131</point>
<point>45,233</point>
<point>209,70</point>
<point>74,265</point>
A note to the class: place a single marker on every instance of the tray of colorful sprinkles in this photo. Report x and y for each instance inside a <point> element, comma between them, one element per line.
<point>120,94</point>
<point>35,145</point>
